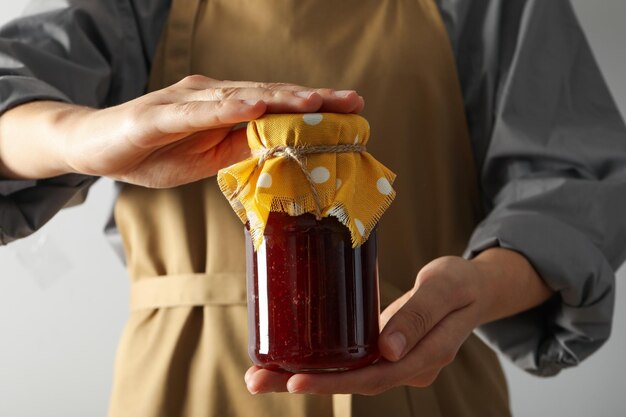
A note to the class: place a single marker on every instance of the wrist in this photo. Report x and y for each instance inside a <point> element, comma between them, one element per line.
<point>35,139</point>
<point>67,124</point>
<point>509,284</point>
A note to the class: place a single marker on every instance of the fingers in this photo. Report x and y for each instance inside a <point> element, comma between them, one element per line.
<point>285,100</point>
<point>200,82</point>
<point>366,381</point>
<point>260,380</point>
<point>196,116</point>
<point>362,381</point>
<point>199,103</point>
<point>370,380</point>
<point>415,369</point>
<point>343,101</point>
<point>280,97</point>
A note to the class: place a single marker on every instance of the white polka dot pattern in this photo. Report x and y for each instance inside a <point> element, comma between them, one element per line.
<point>383,186</point>
<point>320,175</point>
<point>313,118</point>
<point>264,181</point>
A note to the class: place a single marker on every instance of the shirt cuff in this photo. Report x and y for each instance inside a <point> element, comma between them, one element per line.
<point>16,90</point>
<point>25,211</point>
<point>577,320</point>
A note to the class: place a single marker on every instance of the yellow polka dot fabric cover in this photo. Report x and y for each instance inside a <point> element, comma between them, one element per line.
<point>351,185</point>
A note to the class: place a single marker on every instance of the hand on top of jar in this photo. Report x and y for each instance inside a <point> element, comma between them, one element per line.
<point>424,329</point>
<point>169,137</point>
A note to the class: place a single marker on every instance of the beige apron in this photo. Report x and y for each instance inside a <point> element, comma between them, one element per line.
<point>184,349</point>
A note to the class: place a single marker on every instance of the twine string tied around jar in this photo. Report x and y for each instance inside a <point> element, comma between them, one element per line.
<point>296,153</point>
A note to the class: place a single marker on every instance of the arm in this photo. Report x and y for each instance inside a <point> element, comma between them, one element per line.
<point>37,62</point>
<point>555,186</point>
<point>166,138</point>
<point>552,173</point>
<point>173,136</point>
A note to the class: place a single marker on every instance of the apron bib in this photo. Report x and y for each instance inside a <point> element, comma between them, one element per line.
<point>184,349</point>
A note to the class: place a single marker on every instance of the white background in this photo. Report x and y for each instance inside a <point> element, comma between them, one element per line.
<point>63,297</point>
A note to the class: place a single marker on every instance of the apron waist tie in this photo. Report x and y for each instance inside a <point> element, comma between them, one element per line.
<point>188,290</point>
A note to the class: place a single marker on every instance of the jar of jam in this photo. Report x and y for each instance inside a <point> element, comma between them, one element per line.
<point>313,303</point>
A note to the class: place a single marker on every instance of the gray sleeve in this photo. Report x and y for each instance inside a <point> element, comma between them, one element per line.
<point>551,146</point>
<point>88,52</point>
<point>25,206</point>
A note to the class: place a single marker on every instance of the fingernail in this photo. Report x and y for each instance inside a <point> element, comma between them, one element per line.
<point>251,102</point>
<point>397,343</point>
<point>343,93</point>
<point>295,389</point>
<point>304,93</point>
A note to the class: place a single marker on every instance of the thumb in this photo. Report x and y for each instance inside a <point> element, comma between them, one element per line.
<point>410,318</point>
<point>234,148</point>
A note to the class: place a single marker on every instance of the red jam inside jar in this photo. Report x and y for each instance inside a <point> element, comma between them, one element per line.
<point>313,303</point>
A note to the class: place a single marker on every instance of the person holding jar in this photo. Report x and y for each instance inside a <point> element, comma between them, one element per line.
<point>465,99</point>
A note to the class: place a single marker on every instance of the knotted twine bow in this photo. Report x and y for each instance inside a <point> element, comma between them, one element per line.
<point>295,154</point>
<point>312,163</point>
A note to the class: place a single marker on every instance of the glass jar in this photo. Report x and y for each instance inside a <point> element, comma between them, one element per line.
<point>313,303</point>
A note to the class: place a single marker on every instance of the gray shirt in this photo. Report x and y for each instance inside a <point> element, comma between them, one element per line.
<point>546,134</point>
